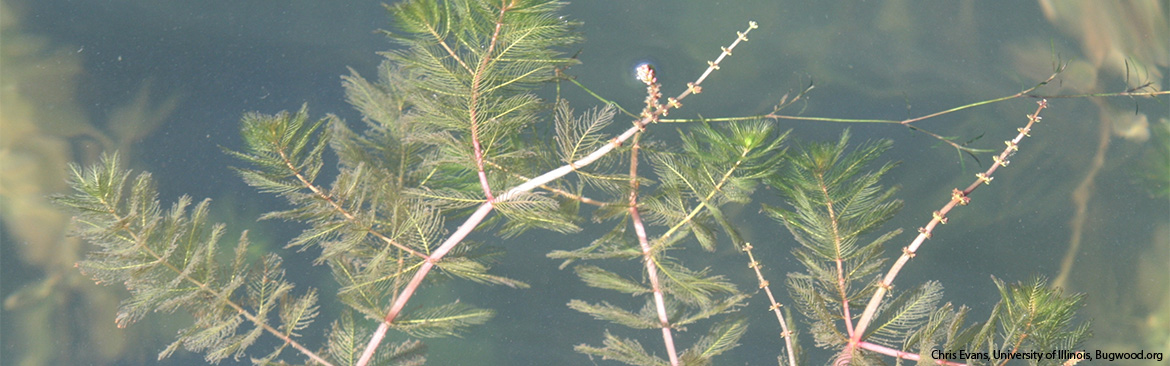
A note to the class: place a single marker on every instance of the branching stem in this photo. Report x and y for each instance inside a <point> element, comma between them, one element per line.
<point>140,243</point>
<point>476,95</point>
<point>902,355</point>
<point>699,207</point>
<point>558,191</point>
<point>485,208</point>
<point>939,217</point>
<point>288,163</point>
<point>648,256</point>
<point>842,285</point>
<point>775,305</point>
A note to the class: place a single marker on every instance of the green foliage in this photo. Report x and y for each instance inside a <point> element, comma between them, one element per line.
<point>721,338</point>
<point>471,79</point>
<point>835,203</point>
<point>169,260</point>
<point>904,314</point>
<point>628,351</point>
<point>712,168</point>
<point>715,167</point>
<point>450,86</point>
<point>347,339</point>
<point>461,78</point>
<point>470,95</point>
<point>370,233</point>
<point>1031,315</point>
<point>449,125</point>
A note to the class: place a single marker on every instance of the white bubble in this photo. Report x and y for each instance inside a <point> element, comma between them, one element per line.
<point>639,64</point>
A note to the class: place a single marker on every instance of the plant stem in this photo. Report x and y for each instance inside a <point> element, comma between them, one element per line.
<point>476,95</point>
<point>648,256</point>
<point>903,355</point>
<point>320,193</point>
<point>840,261</point>
<point>555,190</point>
<point>939,217</point>
<point>485,208</point>
<point>222,297</point>
<point>775,307</point>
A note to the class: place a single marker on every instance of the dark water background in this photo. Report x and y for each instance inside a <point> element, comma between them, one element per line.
<point>883,60</point>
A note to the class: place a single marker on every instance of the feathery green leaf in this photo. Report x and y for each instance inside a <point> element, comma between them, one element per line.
<point>906,313</point>
<point>168,261</point>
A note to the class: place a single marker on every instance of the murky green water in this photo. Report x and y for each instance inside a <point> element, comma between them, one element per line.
<point>883,60</point>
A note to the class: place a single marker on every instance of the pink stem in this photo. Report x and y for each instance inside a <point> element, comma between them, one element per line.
<point>940,217</point>
<point>648,258</point>
<point>900,354</point>
<point>486,208</point>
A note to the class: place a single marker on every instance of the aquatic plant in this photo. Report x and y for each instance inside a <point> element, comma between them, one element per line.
<point>450,125</point>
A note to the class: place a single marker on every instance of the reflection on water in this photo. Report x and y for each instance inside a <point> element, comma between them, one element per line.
<point>52,314</point>
<point>1128,44</point>
<point>1129,39</point>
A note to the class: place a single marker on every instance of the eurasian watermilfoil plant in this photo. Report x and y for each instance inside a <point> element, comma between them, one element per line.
<point>449,126</point>
<point>835,203</point>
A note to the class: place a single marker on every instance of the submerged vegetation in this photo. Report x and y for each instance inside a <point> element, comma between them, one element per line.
<point>456,139</point>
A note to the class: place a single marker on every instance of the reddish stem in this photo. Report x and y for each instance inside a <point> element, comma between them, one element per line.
<point>473,108</point>
<point>939,217</point>
<point>900,354</point>
<point>484,209</point>
<point>648,257</point>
